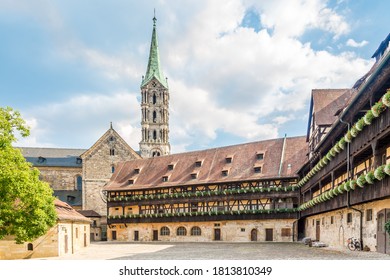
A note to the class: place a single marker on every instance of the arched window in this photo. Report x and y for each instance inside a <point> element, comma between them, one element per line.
<point>165,231</point>
<point>79,183</point>
<point>181,231</point>
<point>112,168</point>
<point>154,134</point>
<point>154,116</point>
<point>112,152</point>
<point>196,231</point>
<point>30,247</point>
<point>154,98</point>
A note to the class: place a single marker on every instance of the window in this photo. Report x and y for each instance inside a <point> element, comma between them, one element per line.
<point>165,231</point>
<point>41,159</point>
<point>165,178</point>
<point>136,171</point>
<point>154,116</point>
<point>198,163</point>
<point>217,225</point>
<point>154,134</point>
<point>194,175</point>
<point>112,152</point>
<point>77,233</point>
<point>369,215</point>
<point>349,218</point>
<point>79,183</point>
<point>170,166</point>
<point>323,221</point>
<point>196,231</point>
<point>131,182</point>
<point>257,169</point>
<point>181,231</point>
<point>112,169</point>
<point>79,160</point>
<point>228,159</point>
<point>70,199</point>
<point>331,220</point>
<point>225,172</point>
<point>259,156</point>
<point>242,229</point>
<point>154,99</point>
<point>30,247</point>
<point>286,232</point>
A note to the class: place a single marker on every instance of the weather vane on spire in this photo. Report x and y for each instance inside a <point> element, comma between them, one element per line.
<point>154,18</point>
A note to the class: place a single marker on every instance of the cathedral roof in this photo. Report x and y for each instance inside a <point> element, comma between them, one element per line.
<point>154,68</point>
<point>267,159</point>
<point>53,156</point>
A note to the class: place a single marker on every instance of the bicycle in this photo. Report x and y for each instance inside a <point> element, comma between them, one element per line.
<point>353,244</point>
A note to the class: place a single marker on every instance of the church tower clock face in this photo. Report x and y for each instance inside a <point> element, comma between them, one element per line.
<point>154,106</point>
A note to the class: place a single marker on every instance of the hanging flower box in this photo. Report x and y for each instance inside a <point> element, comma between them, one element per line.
<point>354,132</point>
<point>379,173</point>
<point>340,188</point>
<point>347,187</point>
<point>377,109</point>
<point>368,117</point>
<point>361,181</point>
<point>329,156</point>
<point>348,137</point>
<point>341,143</point>
<point>370,177</point>
<point>352,184</point>
<point>360,124</point>
<point>387,169</point>
<point>336,148</point>
<point>386,98</point>
<point>332,152</point>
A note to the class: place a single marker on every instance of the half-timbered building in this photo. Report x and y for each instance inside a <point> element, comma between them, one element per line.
<point>345,183</point>
<point>236,193</point>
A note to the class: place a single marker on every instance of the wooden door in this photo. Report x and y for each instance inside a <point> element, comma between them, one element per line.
<point>383,238</point>
<point>114,235</point>
<point>254,235</point>
<point>269,234</point>
<point>136,235</point>
<point>66,244</point>
<point>318,227</point>
<point>217,234</point>
<point>155,235</point>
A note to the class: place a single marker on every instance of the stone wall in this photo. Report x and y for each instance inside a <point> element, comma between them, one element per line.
<point>233,231</point>
<point>60,178</point>
<point>335,228</point>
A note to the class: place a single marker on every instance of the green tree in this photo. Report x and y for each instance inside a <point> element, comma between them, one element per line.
<point>26,204</point>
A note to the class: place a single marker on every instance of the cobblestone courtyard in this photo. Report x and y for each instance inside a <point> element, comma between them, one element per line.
<point>216,251</point>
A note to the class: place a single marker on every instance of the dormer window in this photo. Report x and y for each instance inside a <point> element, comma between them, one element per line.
<point>198,163</point>
<point>41,159</point>
<point>257,169</point>
<point>136,170</point>
<point>171,166</point>
<point>260,156</point>
<point>228,159</point>
<point>194,175</point>
<point>131,182</point>
<point>165,178</point>
<point>225,172</point>
<point>79,160</point>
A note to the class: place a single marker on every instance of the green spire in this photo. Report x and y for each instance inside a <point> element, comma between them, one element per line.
<point>154,68</point>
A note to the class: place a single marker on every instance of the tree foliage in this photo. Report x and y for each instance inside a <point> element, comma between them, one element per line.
<point>26,204</point>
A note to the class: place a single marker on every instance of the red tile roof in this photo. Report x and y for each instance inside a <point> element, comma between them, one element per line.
<point>244,159</point>
<point>66,213</point>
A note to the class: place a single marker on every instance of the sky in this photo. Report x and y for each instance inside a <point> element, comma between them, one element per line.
<point>238,70</point>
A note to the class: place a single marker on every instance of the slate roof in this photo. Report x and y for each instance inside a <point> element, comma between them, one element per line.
<point>89,213</point>
<point>73,198</point>
<point>58,157</point>
<point>213,162</point>
<point>66,213</point>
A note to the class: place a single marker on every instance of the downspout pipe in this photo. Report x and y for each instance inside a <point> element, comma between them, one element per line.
<point>348,193</point>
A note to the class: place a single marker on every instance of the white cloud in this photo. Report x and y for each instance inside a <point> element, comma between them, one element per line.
<point>354,44</point>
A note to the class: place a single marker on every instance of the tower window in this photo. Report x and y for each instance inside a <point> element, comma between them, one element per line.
<point>112,169</point>
<point>154,116</point>
<point>154,134</point>
<point>154,99</point>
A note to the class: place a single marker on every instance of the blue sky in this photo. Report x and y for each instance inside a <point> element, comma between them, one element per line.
<point>238,72</point>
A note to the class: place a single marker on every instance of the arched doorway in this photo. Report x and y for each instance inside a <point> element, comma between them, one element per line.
<point>254,235</point>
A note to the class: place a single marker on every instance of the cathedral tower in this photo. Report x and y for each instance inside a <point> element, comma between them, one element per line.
<point>154,106</point>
